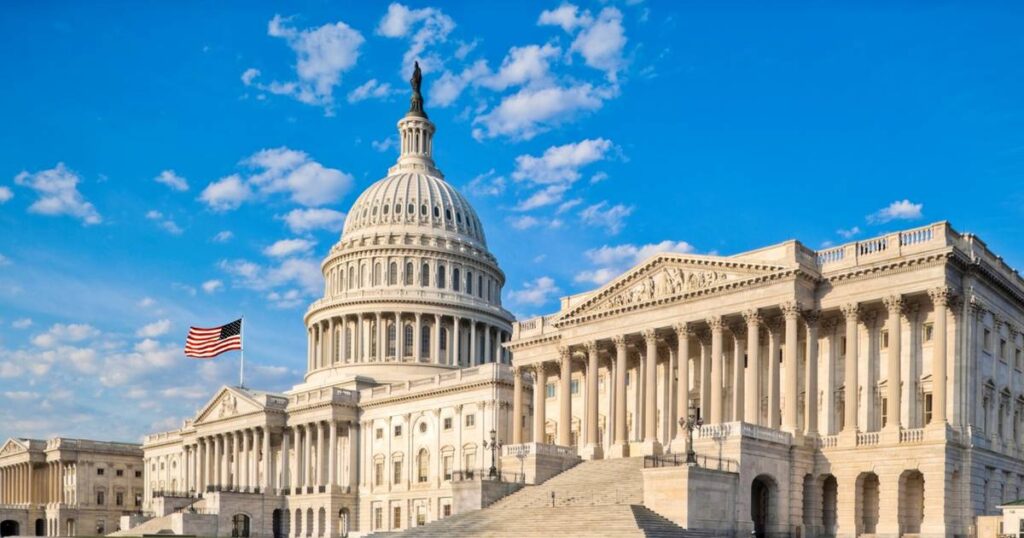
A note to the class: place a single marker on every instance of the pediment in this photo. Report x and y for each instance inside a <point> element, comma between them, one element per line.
<point>13,446</point>
<point>227,403</point>
<point>668,276</point>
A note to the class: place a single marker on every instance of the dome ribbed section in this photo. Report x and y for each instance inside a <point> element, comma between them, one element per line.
<point>413,202</point>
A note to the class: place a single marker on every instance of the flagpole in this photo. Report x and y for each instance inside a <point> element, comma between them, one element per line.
<point>241,362</point>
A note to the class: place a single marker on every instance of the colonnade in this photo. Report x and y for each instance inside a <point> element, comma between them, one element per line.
<point>228,461</point>
<point>745,372</point>
<point>404,336</point>
<point>31,483</point>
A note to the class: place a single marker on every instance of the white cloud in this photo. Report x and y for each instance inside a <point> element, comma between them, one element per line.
<point>423,28</point>
<point>223,236</point>
<point>552,194</point>
<point>847,234</point>
<point>307,220</point>
<point>60,333</point>
<point>522,66</point>
<point>22,323</point>
<point>371,89</point>
<point>286,299</point>
<point>602,42</point>
<point>5,194</point>
<point>898,210</point>
<point>20,395</point>
<point>4,260</point>
<point>58,194</point>
<point>226,193</point>
<point>289,247</point>
<point>447,88</point>
<point>152,330</point>
<point>306,181</point>
<point>146,302</point>
<point>386,144</point>
<point>302,272</point>
<point>212,286</point>
<point>535,293</point>
<point>486,184</point>
<point>567,16</point>
<point>322,55</point>
<point>611,218</point>
<point>611,261</point>
<point>523,222</point>
<point>531,111</point>
<point>561,164</point>
<point>172,180</point>
<point>166,223</point>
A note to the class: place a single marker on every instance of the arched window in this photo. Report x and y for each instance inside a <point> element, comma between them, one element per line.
<point>423,210</point>
<point>321,521</point>
<point>408,273</point>
<point>455,279</point>
<point>423,463</point>
<point>407,341</point>
<point>425,275</point>
<point>411,210</point>
<point>298,522</point>
<point>309,522</point>
<point>393,274</point>
<point>440,276</point>
<point>351,276</point>
<point>424,340</point>
<point>392,336</point>
<point>384,210</point>
<point>373,339</point>
<point>240,526</point>
<point>469,282</point>
<point>458,217</point>
<point>376,274</point>
<point>348,343</point>
<point>448,215</point>
<point>444,338</point>
<point>437,212</point>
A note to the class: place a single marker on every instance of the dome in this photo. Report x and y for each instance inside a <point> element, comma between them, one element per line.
<point>414,202</point>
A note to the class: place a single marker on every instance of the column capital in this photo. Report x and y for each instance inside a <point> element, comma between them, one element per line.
<point>942,295</point>
<point>812,317</point>
<point>619,340</point>
<point>753,317</point>
<point>591,347</point>
<point>894,304</point>
<point>851,311</point>
<point>564,353</point>
<point>790,309</point>
<point>715,323</point>
<point>683,330</point>
<point>650,336</point>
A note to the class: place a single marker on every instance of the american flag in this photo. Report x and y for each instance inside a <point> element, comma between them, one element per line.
<point>208,343</point>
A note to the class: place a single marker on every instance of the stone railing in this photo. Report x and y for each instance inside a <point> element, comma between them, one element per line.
<point>702,460</point>
<point>867,438</point>
<point>525,449</point>
<point>828,441</point>
<point>891,245</point>
<point>912,436</point>
<point>533,327</point>
<point>324,395</point>
<point>728,430</point>
<point>404,293</point>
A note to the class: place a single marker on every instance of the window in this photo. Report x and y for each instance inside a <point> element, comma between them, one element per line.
<point>884,337</point>
<point>392,339</point>
<point>986,341</point>
<point>885,411</point>
<point>447,423</point>
<point>397,472</point>
<point>440,276</point>
<point>446,465</point>
<point>549,390</point>
<point>378,473</point>
<point>376,274</point>
<point>574,387</point>
<point>928,408</point>
<point>423,427</point>
<point>392,274</point>
<point>448,214</point>
<point>380,433</point>
<point>423,464</point>
<point>1003,355</point>
<point>407,341</point>
<point>927,332</point>
<point>119,498</point>
<point>100,470</point>
<point>469,282</point>
<point>378,517</point>
<point>447,511</point>
<point>455,279</point>
<point>437,212</point>
<point>100,497</point>
<point>119,472</point>
<point>470,421</point>
<point>408,274</point>
<point>138,499</point>
<point>480,286</point>
<point>1017,358</point>
<point>396,517</point>
<point>398,430</point>
<point>425,275</point>
<point>138,474</point>
<point>425,341</point>
<point>411,209</point>
<point>423,210</point>
<point>627,379</point>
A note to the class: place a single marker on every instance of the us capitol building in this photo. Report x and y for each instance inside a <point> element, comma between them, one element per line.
<point>873,388</point>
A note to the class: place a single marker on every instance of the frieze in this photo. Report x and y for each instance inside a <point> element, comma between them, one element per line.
<point>670,281</point>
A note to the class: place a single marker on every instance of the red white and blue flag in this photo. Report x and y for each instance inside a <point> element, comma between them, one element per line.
<point>208,343</point>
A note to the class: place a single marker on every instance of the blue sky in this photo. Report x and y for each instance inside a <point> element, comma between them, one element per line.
<point>171,164</point>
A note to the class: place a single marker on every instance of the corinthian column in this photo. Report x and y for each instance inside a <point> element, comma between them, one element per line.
<point>851,312</point>
<point>539,389</point>
<point>593,445</point>
<point>894,304</point>
<point>517,406</point>
<point>941,298</point>
<point>790,312</point>
<point>738,373</point>
<point>716,325</point>
<point>752,403</point>
<point>565,397</point>
<point>811,399</point>
<point>619,448</point>
<point>683,334</point>
<point>651,445</point>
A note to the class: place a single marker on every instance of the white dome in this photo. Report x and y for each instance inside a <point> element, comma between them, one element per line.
<point>414,202</point>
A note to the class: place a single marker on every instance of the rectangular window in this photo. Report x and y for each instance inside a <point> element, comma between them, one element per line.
<point>398,430</point>
<point>138,474</point>
<point>885,411</point>
<point>378,518</point>
<point>549,390</point>
<point>470,421</point>
<point>447,466</point>
<point>119,472</point>
<point>380,433</point>
<point>99,471</point>
<point>396,517</point>
<point>1003,355</point>
<point>397,478</point>
<point>927,332</point>
<point>986,340</point>
<point>927,408</point>
<point>446,510</point>
<point>378,473</point>
<point>138,499</point>
<point>119,498</point>
<point>884,337</point>
<point>447,423</point>
<point>574,387</point>
<point>100,498</point>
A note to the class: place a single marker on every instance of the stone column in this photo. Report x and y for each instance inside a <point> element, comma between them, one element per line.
<point>683,334</point>
<point>894,304</point>
<point>474,358</point>
<point>381,337</point>
<point>738,373</point>
<point>565,397</point>
<point>716,325</point>
<point>456,341</point>
<point>851,312</point>
<point>811,394</point>
<point>539,384</point>
<point>332,455</point>
<point>353,456</point>
<point>517,406</point>
<point>399,337</point>
<point>357,340</point>
<point>752,403</point>
<point>487,357</point>
<point>321,454</point>
<point>705,374</point>
<point>309,348</point>
<point>774,396</point>
<point>941,298</point>
<point>651,445</point>
<point>592,450</point>
<point>286,465</point>
<point>236,464</point>
<point>417,337</point>
<point>307,461</point>
<point>790,312</point>
<point>265,483</point>
<point>619,448</point>
<point>343,355</point>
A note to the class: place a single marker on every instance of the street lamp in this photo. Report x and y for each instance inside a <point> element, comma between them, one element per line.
<point>690,423</point>
<point>494,445</point>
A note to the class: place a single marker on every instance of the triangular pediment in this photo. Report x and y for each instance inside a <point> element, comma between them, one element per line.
<point>13,446</point>
<point>668,276</point>
<point>228,402</point>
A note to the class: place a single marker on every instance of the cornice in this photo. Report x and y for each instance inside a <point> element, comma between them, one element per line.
<point>533,342</point>
<point>435,392</point>
<point>897,265</point>
<point>502,316</point>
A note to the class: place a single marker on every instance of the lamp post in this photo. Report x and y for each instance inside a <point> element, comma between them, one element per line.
<point>690,423</point>
<point>494,445</point>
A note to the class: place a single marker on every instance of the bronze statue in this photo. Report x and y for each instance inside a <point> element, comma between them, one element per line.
<point>416,102</point>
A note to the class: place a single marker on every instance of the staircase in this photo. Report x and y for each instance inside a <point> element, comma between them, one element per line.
<point>594,498</point>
